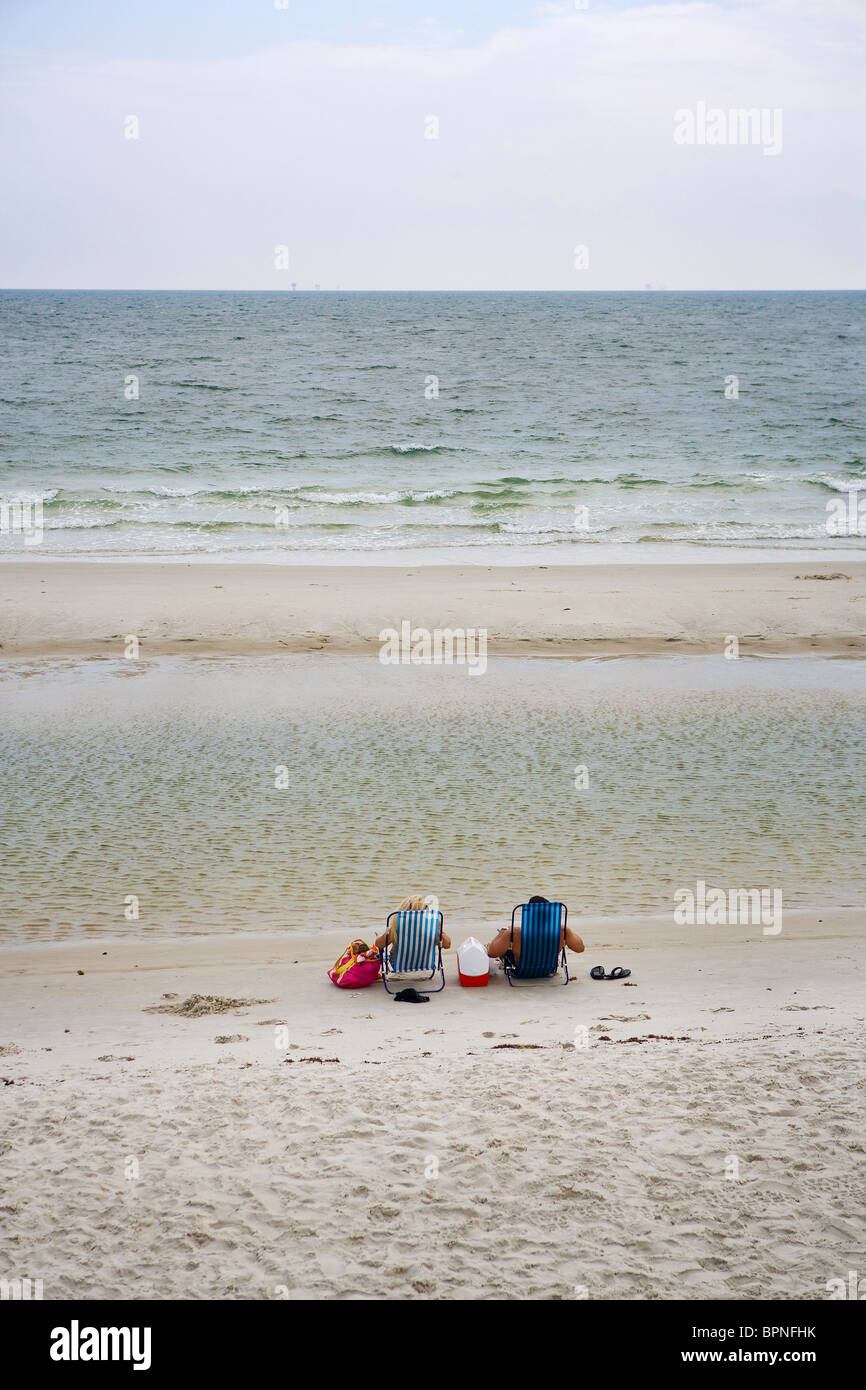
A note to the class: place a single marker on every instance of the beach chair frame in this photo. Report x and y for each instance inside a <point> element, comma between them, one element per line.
<point>556,959</point>
<point>388,970</point>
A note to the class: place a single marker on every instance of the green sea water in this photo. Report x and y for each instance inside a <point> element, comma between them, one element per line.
<point>305,793</point>
<point>431,426</point>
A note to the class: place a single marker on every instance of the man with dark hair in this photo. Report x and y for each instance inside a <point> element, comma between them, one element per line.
<point>501,942</point>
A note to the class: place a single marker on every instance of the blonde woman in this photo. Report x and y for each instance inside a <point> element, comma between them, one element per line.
<point>417,903</point>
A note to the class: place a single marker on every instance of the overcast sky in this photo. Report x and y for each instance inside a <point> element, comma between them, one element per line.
<point>304,127</point>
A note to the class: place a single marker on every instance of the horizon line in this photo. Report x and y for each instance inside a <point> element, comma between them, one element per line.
<point>132,289</point>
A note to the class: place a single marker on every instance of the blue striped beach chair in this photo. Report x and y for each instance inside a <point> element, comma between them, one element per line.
<point>417,948</point>
<point>541,930</point>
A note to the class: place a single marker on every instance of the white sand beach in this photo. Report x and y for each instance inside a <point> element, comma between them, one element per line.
<point>62,608</point>
<point>693,1132</point>
<point>706,1142</point>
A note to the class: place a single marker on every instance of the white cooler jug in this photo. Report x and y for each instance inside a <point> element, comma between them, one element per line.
<point>473,963</point>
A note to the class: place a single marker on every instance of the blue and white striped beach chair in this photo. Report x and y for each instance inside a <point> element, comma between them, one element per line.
<point>541,931</point>
<point>418,947</point>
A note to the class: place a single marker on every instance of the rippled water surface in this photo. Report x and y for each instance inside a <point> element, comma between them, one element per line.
<point>287,425</point>
<point>158,781</point>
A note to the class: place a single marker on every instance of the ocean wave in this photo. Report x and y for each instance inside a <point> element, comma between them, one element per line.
<point>364,499</point>
<point>855,466</point>
<point>839,484</point>
<point>62,499</point>
<point>512,529</point>
<point>405,451</point>
<point>202,386</point>
<point>638,480</point>
<point>688,529</point>
<point>508,492</point>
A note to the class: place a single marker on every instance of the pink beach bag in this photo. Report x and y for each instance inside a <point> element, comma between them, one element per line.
<point>357,967</point>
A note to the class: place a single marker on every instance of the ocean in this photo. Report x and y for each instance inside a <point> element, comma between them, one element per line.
<point>428,427</point>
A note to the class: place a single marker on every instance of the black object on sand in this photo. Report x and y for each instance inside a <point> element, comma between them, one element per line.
<point>411,996</point>
<point>619,972</point>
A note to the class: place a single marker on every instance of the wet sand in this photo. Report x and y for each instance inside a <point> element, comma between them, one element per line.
<point>57,608</point>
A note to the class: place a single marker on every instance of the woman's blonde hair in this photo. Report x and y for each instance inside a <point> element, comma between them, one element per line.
<point>417,903</point>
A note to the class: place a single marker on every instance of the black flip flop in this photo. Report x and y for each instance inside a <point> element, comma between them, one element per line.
<point>597,972</point>
<point>411,996</point>
<point>618,973</point>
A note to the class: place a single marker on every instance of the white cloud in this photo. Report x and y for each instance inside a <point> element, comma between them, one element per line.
<point>551,135</point>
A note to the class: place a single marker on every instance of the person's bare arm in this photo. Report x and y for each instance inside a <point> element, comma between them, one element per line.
<point>573,941</point>
<point>500,943</point>
<point>445,939</point>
